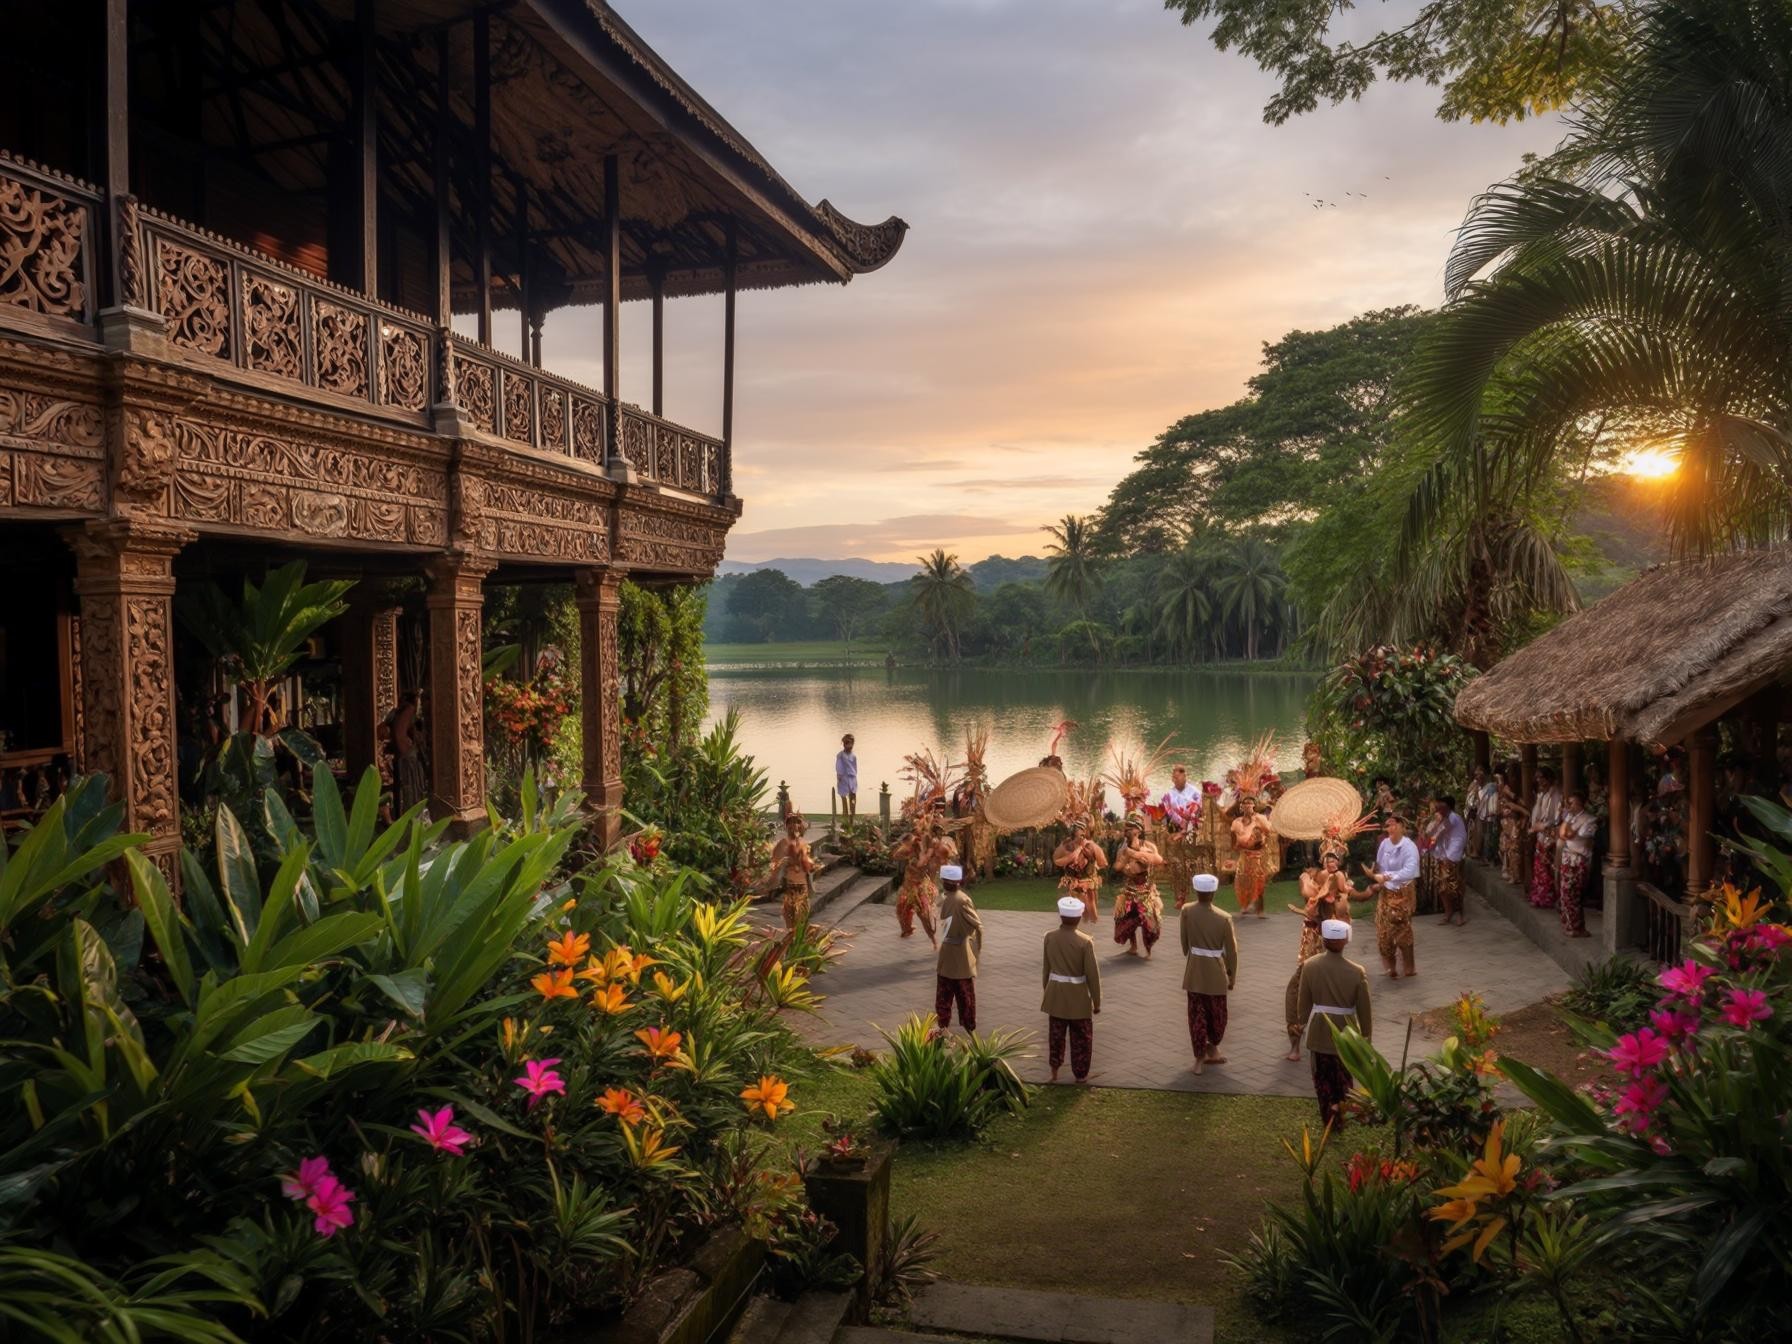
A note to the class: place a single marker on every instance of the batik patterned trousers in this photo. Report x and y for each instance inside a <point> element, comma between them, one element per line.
<point>1446,882</point>
<point>915,901</point>
<point>1206,1022</point>
<point>1393,922</point>
<point>948,991</point>
<point>1081,1031</point>
<point>1331,1084</point>
<point>1572,890</point>
<point>1543,876</point>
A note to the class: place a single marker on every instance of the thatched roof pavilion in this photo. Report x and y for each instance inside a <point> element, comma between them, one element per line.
<point>1664,655</point>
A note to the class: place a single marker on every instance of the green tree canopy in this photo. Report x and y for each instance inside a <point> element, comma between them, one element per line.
<point>848,605</point>
<point>765,605</point>
<point>943,600</point>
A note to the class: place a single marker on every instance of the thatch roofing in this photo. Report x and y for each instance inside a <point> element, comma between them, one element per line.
<point>1665,654</point>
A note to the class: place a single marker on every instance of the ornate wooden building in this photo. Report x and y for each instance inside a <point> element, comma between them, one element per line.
<point>236,240</point>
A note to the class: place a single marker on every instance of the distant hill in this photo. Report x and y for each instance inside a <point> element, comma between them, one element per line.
<point>999,569</point>
<point>807,570</point>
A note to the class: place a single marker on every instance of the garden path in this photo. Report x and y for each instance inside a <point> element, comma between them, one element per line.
<point>1141,1037</point>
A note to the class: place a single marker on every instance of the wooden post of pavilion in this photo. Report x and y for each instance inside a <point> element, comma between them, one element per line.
<point>456,707</point>
<point>366,130</point>
<point>1701,808</point>
<point>1571,768</point>
<point>482,169</point>
<point>369,675</point>
<point>656,277</point>
<point>617,464</point>
<point>1622,919</point>
<point>725,487</point>
<point>1483,750</point>
<point>596,594</point>
<point>1527,787</point>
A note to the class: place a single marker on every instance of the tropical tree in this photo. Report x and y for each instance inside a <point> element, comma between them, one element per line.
<point>1074,573</point>
<point>1184,603</point>
<point>1642,291</point>
<point>944,600</point>
<point>1249,586</point>
<point>847,604</point>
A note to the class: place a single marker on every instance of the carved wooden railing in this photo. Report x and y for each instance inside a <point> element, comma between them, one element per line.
<point>671,455</point>
<point>277,323</point>
<point>522,404</point>
<point>1665,922</point>
<point>49,243</point>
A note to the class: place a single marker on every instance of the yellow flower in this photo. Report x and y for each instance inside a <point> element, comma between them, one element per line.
<point>668,990</point>
<point>568,948</point>
<point>640,962</point>
<point>1743,912</point>
<point>1492,1176</point>
<point>554,985</point>
<point>611,999</point>
<point>771,1096</point>
<point>593,970</point>
<point>647,1149</point>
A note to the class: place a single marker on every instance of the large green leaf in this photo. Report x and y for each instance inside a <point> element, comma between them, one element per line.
<point>164,921</point>
<point>270,1036</point>
<point>339,1058</point>
<point>408,989</point>
<point>331,935</point>
<point>236,871</point>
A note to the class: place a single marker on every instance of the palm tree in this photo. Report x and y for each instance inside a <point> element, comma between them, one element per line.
<point>1249,587</point>
<point>1644,285</point>
<point>1184,605</point>
<point>943,598</point>
<point>1073,575</point>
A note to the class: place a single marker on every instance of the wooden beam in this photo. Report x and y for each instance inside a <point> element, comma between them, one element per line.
<point>482,169</point>
<point>442,241</point>
<point>729,264</point>
<point>367,149</point>
<point>658,280</point>
<point>1617,841</point>
<point>1701,808</point>
<point>117,120</point>
<point>612,284</point>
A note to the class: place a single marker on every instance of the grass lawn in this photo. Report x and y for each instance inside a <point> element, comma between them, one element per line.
<point>796,651</point>
<point>1041,893</point>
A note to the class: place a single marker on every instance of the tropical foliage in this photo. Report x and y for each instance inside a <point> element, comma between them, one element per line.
<point>939,1086</point>
<point>1391,712</point>
<point>943,602</point>
<point>707,799</point>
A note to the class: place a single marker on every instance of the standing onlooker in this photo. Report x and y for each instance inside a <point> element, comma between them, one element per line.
<point>1546,815</point>
<point>1446,859</point>
<point>846,780</point>
<point>1396,869</point>
<point>1482,813</point>
<point>1578,827</point>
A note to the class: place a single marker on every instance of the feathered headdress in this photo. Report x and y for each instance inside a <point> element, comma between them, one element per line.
<point>1257,768</point>
<point>1343,827</point>
<point>1082,802</point>
<point>976,774</point>
<point>1131,777</point>
<point>1059,733</point>
<point>932,781</point>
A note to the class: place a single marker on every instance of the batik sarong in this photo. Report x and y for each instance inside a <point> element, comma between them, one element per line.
<point>1543,876</point>
<point>1446,882</point>
<point>1081,1031</point>
<point>1331,1084</point>
<point>1138,911</point>
<point>948,991</point>
<point>1393,922</point>
<point>1085,889</point>
<point>1572,891</point>
<point>915,902</point>
<point>796,905</point>
<point>1511,850</point>
<point>1252,876</point>
<point>1206,1022</point>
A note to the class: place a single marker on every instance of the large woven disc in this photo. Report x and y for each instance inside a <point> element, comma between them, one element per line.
<point>1033,797</point>
<point>1303,811</point>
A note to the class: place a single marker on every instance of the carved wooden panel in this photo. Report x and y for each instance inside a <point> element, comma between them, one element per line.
<point>665,454</point>
<point>272,337</point>
<point>470,712</point>
<point>587,432</point>
<point>42,251</point>
<point>609,674</point>
<point>536,522</point>
<point>519,412</point>
<point>553,419</point>
<point>690,462</point>
<point>712,469</point>
<point>58,452</point>
<point>688,542</point>
<point>404,368</point>
<point>478,395</point>
<point>193,293</point>
<point>635,445</point>
<point>385,662</point>
<point>339,341</point>
<point>151,688</point>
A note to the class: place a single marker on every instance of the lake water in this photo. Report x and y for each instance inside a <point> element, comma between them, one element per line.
<point>791,720</point>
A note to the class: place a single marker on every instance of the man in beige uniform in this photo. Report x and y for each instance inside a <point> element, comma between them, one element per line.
<point>1210,951</point>
<point>961,943</point>
<point>1072,984</point>
<point>1333,993</point>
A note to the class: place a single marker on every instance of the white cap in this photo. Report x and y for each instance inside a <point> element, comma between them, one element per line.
<point>1069,907</point>
<point>1206,882</point>
<point>951,873</point>
<point>1335,928</point>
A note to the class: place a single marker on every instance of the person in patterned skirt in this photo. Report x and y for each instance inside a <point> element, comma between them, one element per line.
<point>1210,951</point>
<point>1138,910</point>
<point>961,943</point>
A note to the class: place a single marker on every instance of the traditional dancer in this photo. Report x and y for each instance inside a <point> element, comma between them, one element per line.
<point>1072,985</point>
<point>1334,992</point>
<point>1546,816</point>
<point>1396,866</point>
<point>1512,817</point>
<point>1576,832</point>
<point>1138,909</point>
<point>961,943</point>
<point>967,807</point>
<point>1078,857</point>
<point>1251,838</point>
<point>1447,851</point>
<point>921,854</point>
<point>1327,890</point>
<point>792,864</point>
<point>1210,951</point>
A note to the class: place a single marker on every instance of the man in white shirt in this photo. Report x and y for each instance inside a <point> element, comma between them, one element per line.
<point>1182,801</point>
<point>1446,858</point>
<point>846,780</point>
<point>1396,868</point>
<point>1575,833</point>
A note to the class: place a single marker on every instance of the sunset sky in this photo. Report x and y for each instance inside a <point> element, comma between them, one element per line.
<point>1103,233</point>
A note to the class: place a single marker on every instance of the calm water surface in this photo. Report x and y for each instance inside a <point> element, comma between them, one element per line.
<point>791,720</point>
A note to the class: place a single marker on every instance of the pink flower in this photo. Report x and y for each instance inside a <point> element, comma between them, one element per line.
<point>1687,980</point>
<point>539,1079</point>
<point>1640,1102</point>
<point>1674,1025</point>
<point>1744,1006</point>
<point>303,1183</point>
<point>440,1132</point>
<point>330,1202</point>
<point>1638,1052</point>
<point>1773,936</point>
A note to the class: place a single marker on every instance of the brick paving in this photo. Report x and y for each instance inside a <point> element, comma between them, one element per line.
<point>1141,1036</point>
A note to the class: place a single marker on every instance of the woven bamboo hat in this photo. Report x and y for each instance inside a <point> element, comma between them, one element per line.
<point>1033,797</point>
<point>1303,811</point>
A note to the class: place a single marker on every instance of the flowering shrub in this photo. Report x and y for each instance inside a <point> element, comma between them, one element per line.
<point>1391,711</point>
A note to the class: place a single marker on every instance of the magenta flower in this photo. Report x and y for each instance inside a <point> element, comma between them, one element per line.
<point>1674,1025</point>
<point>1639,1103</point>
<point>440,1132</point>
<point>1638,1052</point>
<point>1687,980</point>
<point>539,1079</point>
<point>303,1183</point>
<point>1745,1006</point>
<point>330,1203</point>
<point>1772,936</point>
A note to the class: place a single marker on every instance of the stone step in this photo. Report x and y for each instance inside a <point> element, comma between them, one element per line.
<point>814,1318</point>
<point>761,1323</point>
<point>1056,1318</point>
<point>864,888</point>
<point>1542,926</point>
<point>871,1334</point>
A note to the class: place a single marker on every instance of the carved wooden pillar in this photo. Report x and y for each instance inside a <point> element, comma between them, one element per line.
<point>1701,808</point>
<point>125,582</point>
<point>1617,841</point>
<point>455,708</point>
<point>369,678</point>
<point>600,697</point>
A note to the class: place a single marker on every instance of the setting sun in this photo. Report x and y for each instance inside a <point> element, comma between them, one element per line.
<point>1650,463</point>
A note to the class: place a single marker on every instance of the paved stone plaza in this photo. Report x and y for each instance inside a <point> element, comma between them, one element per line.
<point>1141,1037</point>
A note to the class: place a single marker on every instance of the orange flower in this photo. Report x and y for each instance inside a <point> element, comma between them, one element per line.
<point>670,991</point>
<point>648,1149</point>
<point>567,949</point>
<point>554,985</point>
<point>594,970</point>
<point>640,962</point>
<point>659,1043</point>
<point>623,1104</point>
<point>771,1096</point>
<point>611,999</point>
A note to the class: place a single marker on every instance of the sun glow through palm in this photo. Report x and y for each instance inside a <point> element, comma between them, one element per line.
<point>1649,464</point>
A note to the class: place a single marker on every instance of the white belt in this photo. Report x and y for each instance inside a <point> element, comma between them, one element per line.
<point>1069,979</point>
<point>1319,1008</point>
<point>1206,952</point>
